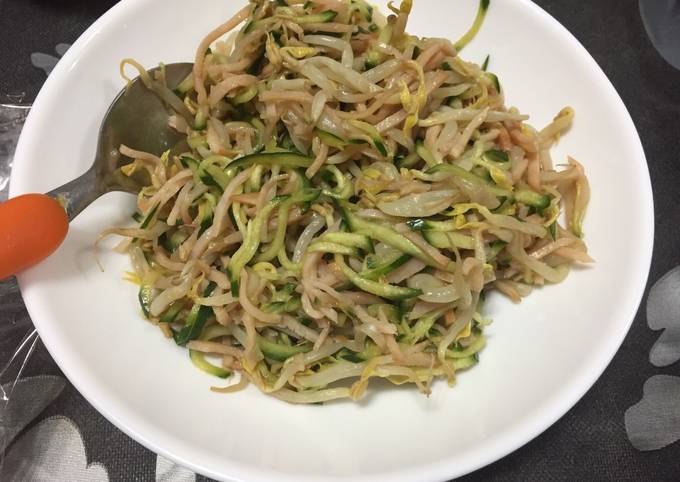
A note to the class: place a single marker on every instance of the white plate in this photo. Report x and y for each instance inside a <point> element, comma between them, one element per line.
<point>542,355</point>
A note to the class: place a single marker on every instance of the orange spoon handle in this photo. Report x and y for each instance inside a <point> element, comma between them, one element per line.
<point>32,226</point>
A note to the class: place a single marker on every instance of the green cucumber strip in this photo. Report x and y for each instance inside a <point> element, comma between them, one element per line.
<point>449,239</point>
<point>215,331</point>
<point>464,363</point>
<point>198,359</point>
<point>279,351</point>
<point>408,161</point>
<point>198,315</point>
<point>145,297</point>
<point>464,352</point>
<point>251,242</point>
<point>200,121</point>
<point>494,79</point>
<point>383,290</point>
<point>327,247</point>
<point>170,314</point>
<point>385,268</point>
<point>197,141</point>
<point>384,234</point>
<point>468,176</point>
<point>494,248</point>
<point>391,312</point>
<point>352,240</point>
<point>420,224</point>
<point>185,86</point>
<point>211,174</point>
<point>280,235</point>
<point>248,248</point>
<point>149,217</point>
<point>243,95</point>
<point>485,65</point>
<point>292,305</point>
<point>363,8</point>
<point>205,212</point>
<point>423,325</point>
<point>282,159</point>
<point>370,350</point>
<point>417,224</point>
<point>304,195</point>
<point>532,198</point>
<point>272,350</point>
<point>189,162</point>
<point>425,154</point>
<point>373,134</point>
<point>344,189</point>
<point>323,17</point>
<point>497,156</point>
<point>476,25</point>
<point>173,241</point>
<point>330,139</point>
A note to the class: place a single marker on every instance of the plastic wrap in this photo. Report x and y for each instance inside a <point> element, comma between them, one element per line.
<point>12,117</point>
<point>18,338</point>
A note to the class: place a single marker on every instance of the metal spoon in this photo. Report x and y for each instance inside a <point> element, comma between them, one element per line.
<point>137,118</point>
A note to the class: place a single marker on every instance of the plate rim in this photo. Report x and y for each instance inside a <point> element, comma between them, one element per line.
<point>443,469</point>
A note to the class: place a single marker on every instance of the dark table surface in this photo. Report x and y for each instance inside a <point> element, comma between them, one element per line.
<point>590,442</point>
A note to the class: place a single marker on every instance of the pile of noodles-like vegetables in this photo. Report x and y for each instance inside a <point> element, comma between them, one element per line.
<point>347,194</point>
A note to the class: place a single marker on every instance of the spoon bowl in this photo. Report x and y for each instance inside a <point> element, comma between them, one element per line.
<point>137,118</point>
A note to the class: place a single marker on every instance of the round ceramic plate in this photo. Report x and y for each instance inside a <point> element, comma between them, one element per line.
<point>542,355</point>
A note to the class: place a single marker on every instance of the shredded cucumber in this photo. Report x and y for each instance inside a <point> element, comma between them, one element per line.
<point>372,186</point>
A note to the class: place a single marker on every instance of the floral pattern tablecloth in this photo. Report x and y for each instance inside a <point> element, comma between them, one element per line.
<point>625,428</point>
